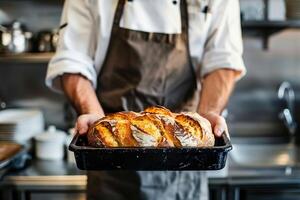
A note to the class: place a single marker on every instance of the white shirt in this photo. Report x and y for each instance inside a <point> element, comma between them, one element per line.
<point>215,38</point>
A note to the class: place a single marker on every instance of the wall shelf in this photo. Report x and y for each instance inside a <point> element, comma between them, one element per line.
<point>266,28</point>
<point>270,25</point>
<point>26,58</point>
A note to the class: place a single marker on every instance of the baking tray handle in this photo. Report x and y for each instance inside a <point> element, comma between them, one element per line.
<point>72,146</point>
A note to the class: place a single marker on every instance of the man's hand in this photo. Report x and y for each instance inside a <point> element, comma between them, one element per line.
<point>218,123</point>
<point>81,94</point>
<point>216,89</point>
<point>84,121</point>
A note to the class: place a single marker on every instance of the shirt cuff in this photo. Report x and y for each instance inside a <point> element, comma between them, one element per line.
<point>223,60</point>
<point>69,62</point>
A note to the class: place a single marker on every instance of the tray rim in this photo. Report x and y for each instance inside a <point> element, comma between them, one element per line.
<point>224,148</point>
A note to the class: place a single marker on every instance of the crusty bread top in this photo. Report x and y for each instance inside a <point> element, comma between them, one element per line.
<point>154,127</point>
<point>208,138</point>
<point>159,110</point>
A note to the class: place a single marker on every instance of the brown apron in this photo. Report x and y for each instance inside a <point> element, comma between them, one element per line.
<point>143,69</point>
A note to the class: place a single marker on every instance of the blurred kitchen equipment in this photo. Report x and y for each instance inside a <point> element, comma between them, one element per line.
<point>252,10</point>
<point>13,157</point>
<point>47,40</point>
<point>292,9</point>
<point>20,125</point>
<point>70,154</point>
<point>55,38</point>
<point>14,38</point>
<point>50,144</point>
<point>8,149</point>
<point>3,28</point>
<point>2,104</point>
<point>44,41</point>
<point>287,95</point>
<point>4,17</point>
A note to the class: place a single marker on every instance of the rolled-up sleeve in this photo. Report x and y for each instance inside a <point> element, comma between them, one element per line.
<point>76,47</point>
<point>224,46</point>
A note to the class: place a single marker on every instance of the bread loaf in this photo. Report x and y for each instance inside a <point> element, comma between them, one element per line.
<point>154,127</point>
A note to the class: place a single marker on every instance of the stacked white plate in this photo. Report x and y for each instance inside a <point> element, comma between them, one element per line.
<point>292,9</point>
<point>20,125</point>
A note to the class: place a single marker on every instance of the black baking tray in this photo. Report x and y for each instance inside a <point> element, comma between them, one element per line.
<point>149,158</point>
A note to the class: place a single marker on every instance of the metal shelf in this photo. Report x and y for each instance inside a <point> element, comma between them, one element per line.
<point>268,24</point>
<point>266,28</point>
<point>26,57</point>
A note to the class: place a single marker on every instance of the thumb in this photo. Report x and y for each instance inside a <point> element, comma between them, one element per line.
<point>220,127</point>
<point>82,125</point>
<point>218,130</point>
<point>84,121</point>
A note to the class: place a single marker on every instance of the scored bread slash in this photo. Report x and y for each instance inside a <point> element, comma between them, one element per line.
<point>189,131</point>
<point>143,139</point>
<point>158,110</point>
<point>168,139</point>
<point>123,134</point>
<point>169,126</point>
<point>122,115</point>
<point>208,138</point>
<point>113,130</point>
<point>102,135</point>
<point>143,128</point>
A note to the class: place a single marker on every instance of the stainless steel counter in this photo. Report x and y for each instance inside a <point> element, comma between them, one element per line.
<point>61,173</point>
<point>48,174</point>
<point>50,180</point>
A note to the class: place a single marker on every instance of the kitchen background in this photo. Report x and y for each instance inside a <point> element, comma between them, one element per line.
<point>267,68</point>
<point>271,54</point>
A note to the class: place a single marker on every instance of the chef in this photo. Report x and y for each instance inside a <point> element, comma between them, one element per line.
<point>116,55</point>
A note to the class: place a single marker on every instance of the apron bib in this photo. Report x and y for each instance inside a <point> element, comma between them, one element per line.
<point>143,69</point>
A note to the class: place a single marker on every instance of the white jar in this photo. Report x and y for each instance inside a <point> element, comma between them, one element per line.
<point>50,144</point>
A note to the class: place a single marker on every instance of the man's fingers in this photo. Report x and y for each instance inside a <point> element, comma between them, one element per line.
<point>218,123</point>
<point>220,127</point>
<point>82,124</point>
<point>218,130</point>
<point>84,121</point>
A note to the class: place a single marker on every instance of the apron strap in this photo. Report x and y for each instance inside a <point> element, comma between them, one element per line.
<point>119,12</point>
<point>185,34</point>
<point>184,17</point>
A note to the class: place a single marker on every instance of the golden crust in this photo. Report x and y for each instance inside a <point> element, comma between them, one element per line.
<point>159,110</point>
<point>189,125</point>
<point>102,135</point>
<point>121,116</point>
<point>145,124</point>
<point>155,126</point>
<point>168,138</point>
<point>123,134</point>
<point>208,138</point>
<point>170,128</point>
